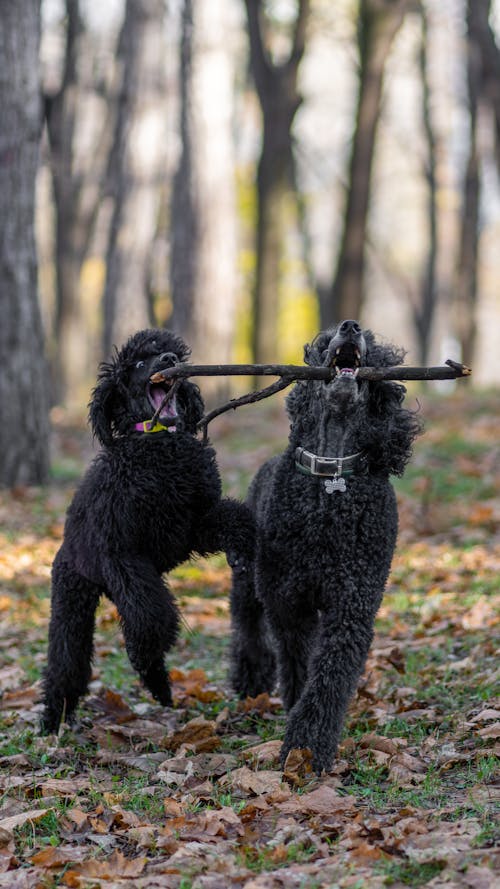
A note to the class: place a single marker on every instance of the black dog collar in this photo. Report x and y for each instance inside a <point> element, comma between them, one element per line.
<point>329,467</point>
<point>333,469</point>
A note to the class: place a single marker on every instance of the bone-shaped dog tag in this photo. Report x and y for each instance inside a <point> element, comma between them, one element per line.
<point>335,484</point>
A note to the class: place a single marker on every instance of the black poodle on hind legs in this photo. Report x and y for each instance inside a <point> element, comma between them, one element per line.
<point>327,523</point>
<point>150,499</point>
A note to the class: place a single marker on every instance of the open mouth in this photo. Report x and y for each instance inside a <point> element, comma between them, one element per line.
<point>163,400</point>
<point>346,360</point>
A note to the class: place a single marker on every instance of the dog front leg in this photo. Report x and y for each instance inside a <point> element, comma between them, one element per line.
<point>228,527</point>
<point>335,667</point>
<point>149,619</point>
<point>253,666</point>
<point>71,631</point>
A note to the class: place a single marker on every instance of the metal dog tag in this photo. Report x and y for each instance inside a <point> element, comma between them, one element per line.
<point>335,484</point>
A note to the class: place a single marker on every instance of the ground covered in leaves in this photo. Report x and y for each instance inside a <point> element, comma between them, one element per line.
<point>139,796</point>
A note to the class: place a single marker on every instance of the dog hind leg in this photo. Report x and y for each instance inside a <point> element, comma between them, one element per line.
<point>71,631</point>
<point>149,620</point>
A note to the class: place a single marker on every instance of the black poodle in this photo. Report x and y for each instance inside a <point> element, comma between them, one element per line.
<point>327,524</point>
<point>150,498</point>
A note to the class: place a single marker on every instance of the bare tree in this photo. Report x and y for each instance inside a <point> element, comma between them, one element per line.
<point>479,22</point>
<point>279,97</point>
<point>23,401</point>
<point>378,24</point>
<point>466,281</point>
<point>135,170</point>
<point>203,268</point>
<point>425,304</point>
<point>79,143</point>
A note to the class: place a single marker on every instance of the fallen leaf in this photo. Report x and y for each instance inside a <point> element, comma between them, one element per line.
<point>247,781</point>
<point>15,821</point>
<point>298,767</point>
<point>264,753</point>
<point>198,734</point>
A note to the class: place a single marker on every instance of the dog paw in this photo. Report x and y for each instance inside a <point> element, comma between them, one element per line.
<point>248,681</point>
<point>238,563</point>
<point>302,732</point>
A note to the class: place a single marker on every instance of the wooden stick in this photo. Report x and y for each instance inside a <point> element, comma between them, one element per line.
<point>292,372</point>
<point>289,373</point>
<point>249,398</point>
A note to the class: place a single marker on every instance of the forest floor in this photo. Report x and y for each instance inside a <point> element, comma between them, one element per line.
<point>139,796</point>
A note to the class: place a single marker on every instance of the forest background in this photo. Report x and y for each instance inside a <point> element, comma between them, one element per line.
<point>248,172</point>
<point>244,173</point>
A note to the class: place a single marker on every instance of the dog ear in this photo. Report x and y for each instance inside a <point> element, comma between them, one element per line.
<point>101,408</point>
<point>192,404</point>
<point>314,352</point>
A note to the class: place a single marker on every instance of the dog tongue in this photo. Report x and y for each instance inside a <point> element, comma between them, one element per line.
<point>157,396</point>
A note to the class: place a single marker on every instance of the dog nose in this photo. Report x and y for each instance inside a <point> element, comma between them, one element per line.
<point>350,326</point>
<point>169,358</point>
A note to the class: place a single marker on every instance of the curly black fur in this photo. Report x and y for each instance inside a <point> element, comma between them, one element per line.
<point>146,503</point>
<point>322,559</point>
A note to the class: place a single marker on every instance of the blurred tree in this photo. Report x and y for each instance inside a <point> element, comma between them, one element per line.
<point>78,151</point>
<point>276,84</point>
<point>466,280</point>
<point>483,91</point>
<point>203,222</point>
<point>425,304</point>
<point>378,24</point>
<point>479,24</point>
<point>135,170</point>
<point>23,390</point>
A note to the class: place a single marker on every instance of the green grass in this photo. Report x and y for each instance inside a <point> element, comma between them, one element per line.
<point>409,873</point>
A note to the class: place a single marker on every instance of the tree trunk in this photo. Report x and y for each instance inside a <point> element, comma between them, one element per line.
<point>279,98</point>
<point>423,312</point>
<point>77,181</point>
<point>24,416</point>
<point>134,173</point>
<point>379,22</point>
<point>203,219</point>
<point>479,14</point>
<point>466,288</point>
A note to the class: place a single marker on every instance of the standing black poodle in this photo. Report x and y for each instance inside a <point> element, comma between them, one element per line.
<point>327,524</point>
<point>150,498</point>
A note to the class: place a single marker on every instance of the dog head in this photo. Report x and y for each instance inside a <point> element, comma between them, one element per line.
<point>370,413</point>
<point>343,348</point>
<point>124,395</point>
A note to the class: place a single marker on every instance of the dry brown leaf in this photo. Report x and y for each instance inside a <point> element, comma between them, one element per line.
<point>490,731</point>
<point>15,821</point>
<point>298,766</point>
<point>390,746</point>
<point>486,715</point>
<point>323,801</point>
<point>266,753</point>
<point>117,865</point>
<point>198,733</point>
<point>366,852</point>
<point>263,703</point>
<point>58,857</point>
<point>247,781</point>
<point>111,704</point>
<point>406,770</point>
<point>77,818</point>
<point>66,787</point>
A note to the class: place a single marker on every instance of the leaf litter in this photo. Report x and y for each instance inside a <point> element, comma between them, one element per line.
<point>134,795</point>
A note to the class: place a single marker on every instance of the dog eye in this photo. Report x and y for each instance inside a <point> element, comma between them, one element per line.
<point>140,364</point>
